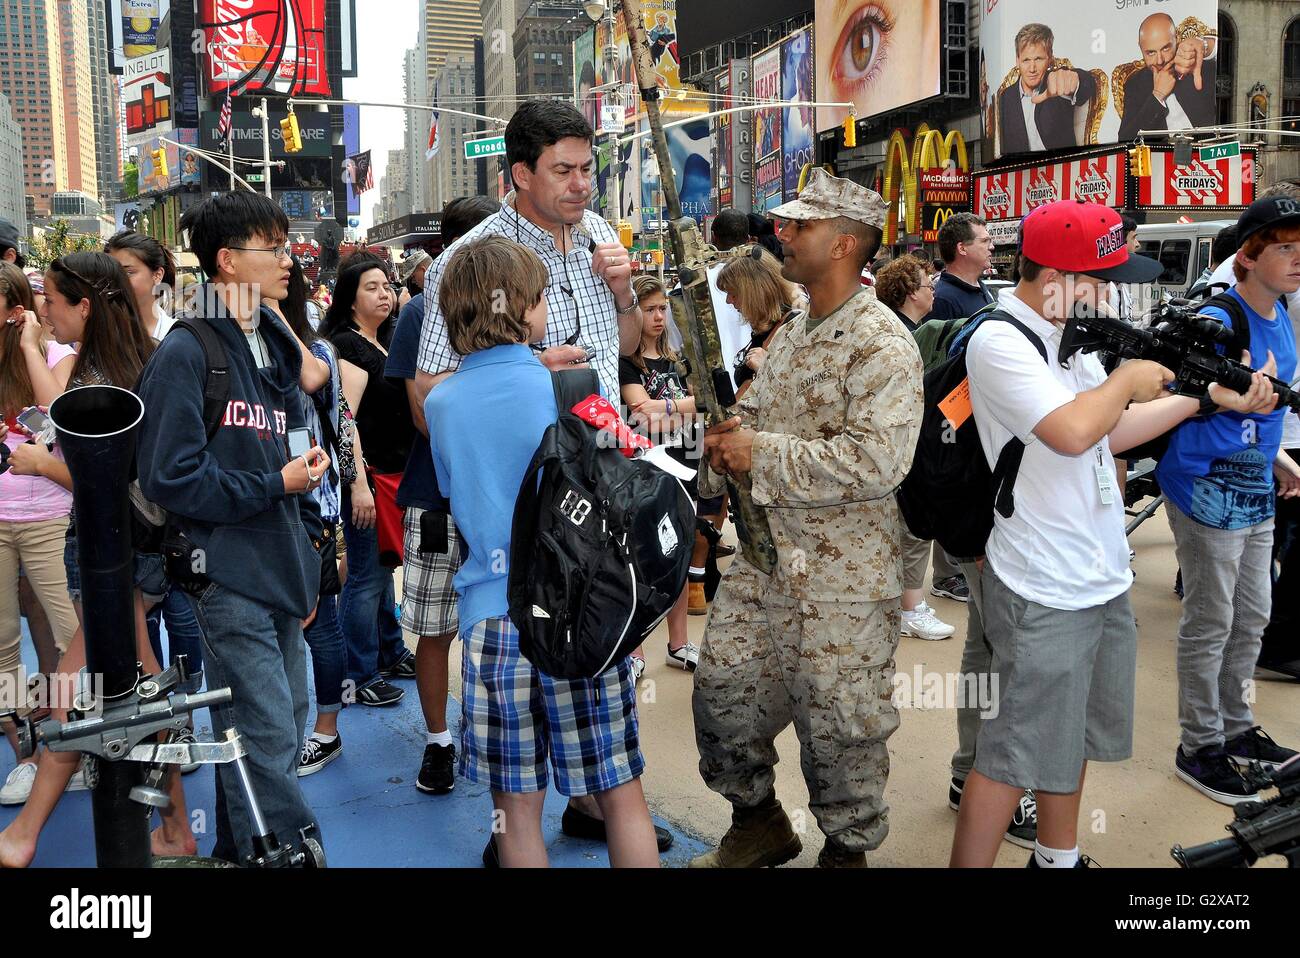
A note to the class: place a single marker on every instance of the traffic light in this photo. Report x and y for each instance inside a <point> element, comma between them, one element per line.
<point>160,164</point>
<point>851,130</point>
<point>1139,161</point>
<point>625,233</point>
<point>290,134</point>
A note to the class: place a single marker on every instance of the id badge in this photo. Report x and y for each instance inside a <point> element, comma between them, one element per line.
<point>1105,480</point>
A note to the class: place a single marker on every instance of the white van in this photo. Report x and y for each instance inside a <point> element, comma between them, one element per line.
<point>1183,249</point>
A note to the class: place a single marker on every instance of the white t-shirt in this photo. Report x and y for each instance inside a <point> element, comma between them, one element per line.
<point>1290,422</point>
<point>1062,547</point>
<point>733,332</point>
<point>162,323</point>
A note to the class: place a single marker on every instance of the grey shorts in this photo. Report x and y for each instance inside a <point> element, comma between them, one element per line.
<point>1064,691</point>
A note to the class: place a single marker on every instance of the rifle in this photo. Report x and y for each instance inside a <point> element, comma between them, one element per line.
<point>1178,338</point>
<point>710,381</point>
<point>1258,828</point>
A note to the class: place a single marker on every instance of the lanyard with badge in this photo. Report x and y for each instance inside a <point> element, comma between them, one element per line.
<point>1105,478</point>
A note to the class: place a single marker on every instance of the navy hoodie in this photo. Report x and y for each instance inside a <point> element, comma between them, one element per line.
<point>228,495</point>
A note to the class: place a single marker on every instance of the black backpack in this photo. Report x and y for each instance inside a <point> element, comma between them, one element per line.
<point>600,545</point>
<point>950,493</point>
<point>149,531</point>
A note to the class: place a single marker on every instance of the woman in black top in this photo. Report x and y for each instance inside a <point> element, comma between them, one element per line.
<point>358,326</point>
<point>652,384</point>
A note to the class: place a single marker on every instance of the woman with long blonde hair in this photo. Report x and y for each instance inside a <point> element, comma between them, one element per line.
<point>764,298</point>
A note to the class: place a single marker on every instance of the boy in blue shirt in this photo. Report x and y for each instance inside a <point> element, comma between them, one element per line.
<point>1218,476</point>
<point>485,422</point>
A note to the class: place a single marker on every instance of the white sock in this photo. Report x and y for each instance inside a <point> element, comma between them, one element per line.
<point>695,570</point>
<point>1055,857</point>
<point>440,738</point>
<point>322,737</point>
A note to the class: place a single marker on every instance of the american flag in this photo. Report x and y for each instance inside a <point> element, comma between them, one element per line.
<point>223,124</point>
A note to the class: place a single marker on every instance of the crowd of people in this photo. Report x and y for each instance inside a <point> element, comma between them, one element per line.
<point>389,425</point>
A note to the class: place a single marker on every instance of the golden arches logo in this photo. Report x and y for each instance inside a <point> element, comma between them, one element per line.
<point>930,150</point>
<point>807,172</point>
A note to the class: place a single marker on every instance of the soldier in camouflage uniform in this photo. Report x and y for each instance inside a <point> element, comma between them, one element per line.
<point>827,433</point>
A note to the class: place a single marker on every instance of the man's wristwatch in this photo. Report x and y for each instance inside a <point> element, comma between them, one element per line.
<point>630,307</point>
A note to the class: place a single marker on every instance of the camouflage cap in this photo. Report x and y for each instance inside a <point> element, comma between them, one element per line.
<point>826,197</point>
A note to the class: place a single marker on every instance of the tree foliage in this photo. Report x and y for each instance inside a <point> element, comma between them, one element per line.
<point>59,240</point>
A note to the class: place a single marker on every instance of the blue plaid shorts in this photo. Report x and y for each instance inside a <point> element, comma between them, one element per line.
<point>513,717</point>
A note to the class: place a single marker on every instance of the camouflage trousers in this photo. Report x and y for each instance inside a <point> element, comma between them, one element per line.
<point>768,660</point>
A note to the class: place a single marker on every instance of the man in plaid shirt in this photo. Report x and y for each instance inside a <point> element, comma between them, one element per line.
<point>590,306</point>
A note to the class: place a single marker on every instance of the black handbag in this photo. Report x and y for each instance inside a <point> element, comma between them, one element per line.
<point>327,547</point>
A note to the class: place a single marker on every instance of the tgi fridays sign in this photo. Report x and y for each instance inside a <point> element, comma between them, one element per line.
<point>1226,182</point>
<point>1010,194</point>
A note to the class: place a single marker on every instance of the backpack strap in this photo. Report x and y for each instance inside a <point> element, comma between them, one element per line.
<point>572,386</point>
<point>1240,322</point>
<point>967,329</point>
<point>1007,468</point>
<point>216,384</point>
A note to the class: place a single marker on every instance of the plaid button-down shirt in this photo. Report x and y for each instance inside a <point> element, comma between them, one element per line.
<point>590,301</point>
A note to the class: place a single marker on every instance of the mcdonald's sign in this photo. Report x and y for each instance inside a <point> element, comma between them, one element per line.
<point>933,216</point>
<point>936,170</point>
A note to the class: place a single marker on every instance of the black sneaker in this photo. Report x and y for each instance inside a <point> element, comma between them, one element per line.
<point>491,857</point>
<point>380,694</point>
<point>1257,746</point>
<point>1283,666</point>
<point>317,754</point>
<point>404,669</point>
<point>1083,862</point>
<point>953,587</point>
<point>576,824</point>
<point>436,771</point>
<point>1212,773</point>
<point>1023,830</point>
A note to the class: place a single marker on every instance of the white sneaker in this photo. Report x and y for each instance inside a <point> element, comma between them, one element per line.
<point>685,658</point>
<point>638,668</point>
<point>18,786</point>
<point>922,623</point>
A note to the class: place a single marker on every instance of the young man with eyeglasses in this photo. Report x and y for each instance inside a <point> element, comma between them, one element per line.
<point>239,498</point>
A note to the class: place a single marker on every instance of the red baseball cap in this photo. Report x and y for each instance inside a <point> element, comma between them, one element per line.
<point>1077,237</point>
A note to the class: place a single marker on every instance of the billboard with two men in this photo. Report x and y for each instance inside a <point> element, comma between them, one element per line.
<point>1064,76</point>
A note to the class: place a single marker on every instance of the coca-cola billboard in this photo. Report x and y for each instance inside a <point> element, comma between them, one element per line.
<point>265,46</point>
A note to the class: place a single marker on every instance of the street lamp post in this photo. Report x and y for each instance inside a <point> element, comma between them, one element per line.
<point>603,11</point>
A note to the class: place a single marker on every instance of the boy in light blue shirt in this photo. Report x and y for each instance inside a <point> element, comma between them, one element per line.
<point>485,422</point>
<point>1218,476</point>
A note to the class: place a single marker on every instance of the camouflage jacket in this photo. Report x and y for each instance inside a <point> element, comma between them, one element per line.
<point>837,411</point>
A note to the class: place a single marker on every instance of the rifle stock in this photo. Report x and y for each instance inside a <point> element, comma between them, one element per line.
<point>698,324</point>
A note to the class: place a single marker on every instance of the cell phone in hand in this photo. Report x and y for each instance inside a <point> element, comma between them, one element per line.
<point>33,420</point>
<point>299,442</point>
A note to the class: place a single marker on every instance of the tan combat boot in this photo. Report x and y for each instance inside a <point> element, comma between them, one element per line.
<point>833,856</point>
<point>757,838</point>
<point>696,603</point>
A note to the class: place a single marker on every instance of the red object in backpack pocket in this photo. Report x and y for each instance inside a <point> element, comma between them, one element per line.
<point>388,517</point>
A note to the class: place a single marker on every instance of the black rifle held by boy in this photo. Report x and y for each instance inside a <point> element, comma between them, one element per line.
<point>1179,339</point>
<point>709,377</point>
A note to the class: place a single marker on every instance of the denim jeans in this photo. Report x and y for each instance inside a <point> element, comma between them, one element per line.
<point>328,663</point>
<point>257,652</point>
<point>183,635</point>
<point>371,631</point>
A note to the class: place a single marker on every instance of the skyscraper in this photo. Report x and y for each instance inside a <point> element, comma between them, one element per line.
<point>451,27</point>
<point>30,76</point>
<point>12,205</point>
<point>107,96</point>
<point>78,97</point>
<point>499,20</point>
